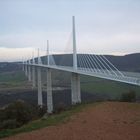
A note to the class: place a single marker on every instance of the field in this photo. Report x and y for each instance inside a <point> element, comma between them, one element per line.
<point>93,85</point>
<point>110,88</point>
<point>90,85</point>
<point>12,79</point>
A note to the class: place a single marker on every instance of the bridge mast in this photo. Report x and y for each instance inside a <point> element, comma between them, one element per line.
<point>48,59</point>
<point>40,100</point>
<point>29,70</point>
<point>49,84</point>
<point>74,45</point>
<point>75,77</point>
<point>33,72</point>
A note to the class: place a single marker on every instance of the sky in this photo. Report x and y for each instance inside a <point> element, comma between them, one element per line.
<point>102,27</point>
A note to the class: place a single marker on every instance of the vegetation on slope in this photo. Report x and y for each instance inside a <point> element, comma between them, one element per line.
<point>15,79</point>
<point>19,113</point>
<point>111,88</point>
<point>47,120</point>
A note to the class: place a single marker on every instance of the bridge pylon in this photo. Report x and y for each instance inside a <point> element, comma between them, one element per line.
<point>49,84</point>
<point>49,92</point>
<point>75,88</point>
<point>26,68</point>
<point>74,44</point>
<point>75,77</point>
<point>33,73</point>
<point>29,71</point>
<point>48,57</point>
<point>40,100</point>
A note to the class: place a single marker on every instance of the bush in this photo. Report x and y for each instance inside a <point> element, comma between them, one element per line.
<point>60,107</point>
<point>128,97</point>
<point>41,110</point>
<point>8,124</point>
<point>19,113</point>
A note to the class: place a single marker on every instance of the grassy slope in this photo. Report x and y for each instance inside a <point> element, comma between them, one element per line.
<point>12,79</point>
<point>100,86</point>
<point>16,76</point>
<point>51,120</point>
<point>96,85</point>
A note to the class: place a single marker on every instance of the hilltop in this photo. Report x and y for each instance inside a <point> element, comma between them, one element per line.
<point>128,62</point>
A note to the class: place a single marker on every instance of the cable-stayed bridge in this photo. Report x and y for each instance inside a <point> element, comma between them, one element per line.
<point>82,64</point>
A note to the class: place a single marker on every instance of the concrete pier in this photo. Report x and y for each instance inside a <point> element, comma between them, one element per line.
<point>26,70</point>
<point>29,73</point>
<point>33,77</point>
<point>49,92</point>
<point>23,66</point>
<point>40,102</point>
<point>75,88</point>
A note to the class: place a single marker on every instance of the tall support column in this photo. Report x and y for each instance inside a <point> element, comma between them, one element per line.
<point>48,57</point>
<point>26,69</point>
<point>33,72</point>
<point>40,102</point>
<point>74,45</point>
<point>33,77</point>
<point>29,72</point>
<point>75,88</point>
<point>23,68</point>
<point>49,92</point>
<point>75,78</point>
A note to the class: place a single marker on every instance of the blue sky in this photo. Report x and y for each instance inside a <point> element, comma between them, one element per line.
<point>102,26</point>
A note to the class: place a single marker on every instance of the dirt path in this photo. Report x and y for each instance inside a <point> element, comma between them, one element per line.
<point>106,121</point>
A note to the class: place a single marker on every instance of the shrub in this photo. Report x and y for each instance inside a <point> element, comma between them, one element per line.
<point>128,97</point>
<point>41,110</point>
<point>19,113</point>
<point>60,107</point>
<point>9,124</point>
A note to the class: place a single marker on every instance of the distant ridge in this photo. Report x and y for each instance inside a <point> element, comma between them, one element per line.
<point>129,62</point>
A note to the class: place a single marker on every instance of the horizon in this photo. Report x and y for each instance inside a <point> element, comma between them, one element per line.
<point>15,61</point>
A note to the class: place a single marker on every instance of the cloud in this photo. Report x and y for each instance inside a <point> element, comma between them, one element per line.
<point>105,27</point>
<point>122,43</point>
<point>18,54</point>
<point>117,44</point>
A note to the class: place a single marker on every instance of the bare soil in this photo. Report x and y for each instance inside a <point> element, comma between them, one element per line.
<point>106,121</point>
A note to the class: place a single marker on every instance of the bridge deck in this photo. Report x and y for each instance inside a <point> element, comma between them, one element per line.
<point>130,79</point>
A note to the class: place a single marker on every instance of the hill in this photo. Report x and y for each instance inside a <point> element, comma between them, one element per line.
<point>9,66</point>
<point>128,62</point>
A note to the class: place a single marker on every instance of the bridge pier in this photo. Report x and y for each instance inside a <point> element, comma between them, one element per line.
<point>49,92</point>
<point>26,70</point>
<point>40,102</point>
<point>75,88</point>
<point>23,66</point>
<point>29,73</point>
<point>33,77</point>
